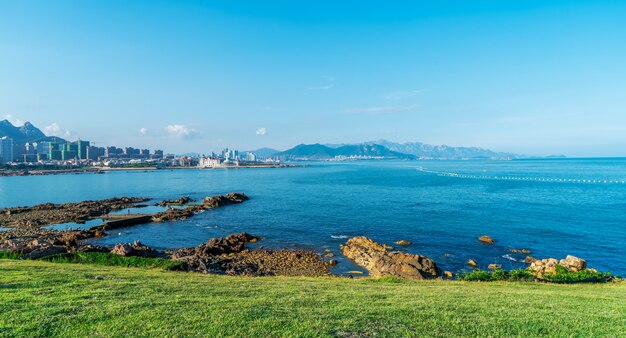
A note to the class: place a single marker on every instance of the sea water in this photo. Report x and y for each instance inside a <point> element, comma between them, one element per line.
<point>553,207</point>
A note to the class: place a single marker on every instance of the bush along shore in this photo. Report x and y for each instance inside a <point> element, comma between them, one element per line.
<point>230,256</point>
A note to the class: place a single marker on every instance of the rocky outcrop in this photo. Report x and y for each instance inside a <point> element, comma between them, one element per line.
<point>220,201</point>
<point>529,259</point>
<point>486,239</point>
<point>134,249</point>
<point>208,203</point>
<point>403,242</point>
<point>379,262</point>
<point>37,249</point>
<point>48,213</point>
<point>229,256</point>
<point>573,263</point>
<point>180,201</point>
<point>521,251</point>
<point>217,246</point>
<point>93,248</point>
<point>548,265</point>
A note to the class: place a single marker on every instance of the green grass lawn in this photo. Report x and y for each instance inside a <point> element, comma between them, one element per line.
<point>50,299</point>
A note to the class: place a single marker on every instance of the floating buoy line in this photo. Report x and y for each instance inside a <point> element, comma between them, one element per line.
<point>521,178</point>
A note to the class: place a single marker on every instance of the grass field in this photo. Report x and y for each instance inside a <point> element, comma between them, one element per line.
<point>50,299</point>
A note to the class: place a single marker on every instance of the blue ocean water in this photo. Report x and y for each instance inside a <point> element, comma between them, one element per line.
<point>553,207</point>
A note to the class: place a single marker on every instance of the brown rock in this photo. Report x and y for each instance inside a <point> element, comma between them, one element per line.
<point>134,249</point>
<point>472,263</point>
<point>486,239</point>
<point>122,249</point>
<point>180,201</point>
<point>522,251</point>
<point>530,259</point>
<point>494,266</point>
<point>448,274</point>
<point>403,242</point>
<point>329,255</point>
<point>46,250</point>
<point>379,262</point>
<point>573,263</point>
<point>544,267</point>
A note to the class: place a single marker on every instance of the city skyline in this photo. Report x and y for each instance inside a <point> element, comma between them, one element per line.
<point>533,78</point>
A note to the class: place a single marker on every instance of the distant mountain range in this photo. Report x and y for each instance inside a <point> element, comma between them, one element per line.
<point>323,152</point>
<point>381,149</point>
<point>385,149</point>
<point>26,133</point>
<point>422,150</point>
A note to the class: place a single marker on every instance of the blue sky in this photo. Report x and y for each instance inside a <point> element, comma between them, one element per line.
<point>533,77</point>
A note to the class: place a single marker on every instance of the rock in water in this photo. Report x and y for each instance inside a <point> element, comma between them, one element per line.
<point>230,198</point>
<point>379,262</point>
<point>403,242</point>
<point>529,259</point>
<point>472,262</point>
<point>486,239</point>
<point>573,263</point>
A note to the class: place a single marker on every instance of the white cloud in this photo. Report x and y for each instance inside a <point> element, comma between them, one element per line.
<point>14,121</point>
<point>381,110</point>
<point>56,130</point>
<point>143,131</point>
<point>181,132</point>
<point>261,131</point>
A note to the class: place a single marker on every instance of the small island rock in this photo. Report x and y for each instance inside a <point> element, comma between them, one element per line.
<point>486,239</point>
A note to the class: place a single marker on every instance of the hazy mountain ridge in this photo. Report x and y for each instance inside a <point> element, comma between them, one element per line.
<point>387,149</point>
<point>423,150</point>
<point>26,133</point>
<point>322,152</point>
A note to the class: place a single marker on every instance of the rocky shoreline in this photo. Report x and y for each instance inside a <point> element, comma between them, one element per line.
<point>228,255</point>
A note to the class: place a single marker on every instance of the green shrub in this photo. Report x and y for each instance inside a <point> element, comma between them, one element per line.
<point>563,275</point>
<point>477,276</point>
<point>497,275</point>
<point>521,275</point>
<point>108,259</point>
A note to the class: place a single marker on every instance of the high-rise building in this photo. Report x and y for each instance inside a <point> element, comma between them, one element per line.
<point>82,149</point>
<point>6,150</point>
<point>30,152</point>
<point>69,151</point>
<point>158,153</point>
<point>93,153</point>
<point>54,151</point>
<point>131,152</point>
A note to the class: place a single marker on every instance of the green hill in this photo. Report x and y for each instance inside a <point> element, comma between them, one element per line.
<point>321,152</point>
<point>65,300</point>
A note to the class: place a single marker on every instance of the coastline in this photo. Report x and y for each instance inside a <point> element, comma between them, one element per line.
<point>27,231</point>
<point>102,170</point>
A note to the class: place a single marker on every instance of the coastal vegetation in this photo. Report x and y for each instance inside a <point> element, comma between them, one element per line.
<point>109,259</point>
<point>40,298</point>
<point>561,275</point>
